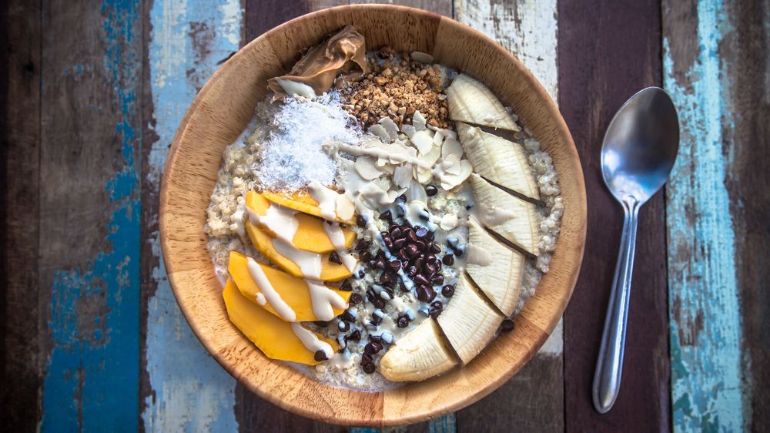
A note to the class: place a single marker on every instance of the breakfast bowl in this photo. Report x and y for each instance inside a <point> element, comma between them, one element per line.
<point>219,115</point>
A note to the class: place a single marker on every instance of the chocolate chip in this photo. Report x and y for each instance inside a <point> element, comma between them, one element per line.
<point>398,243</point>
<point>402,321</point>
<point>435,309</point>
<point>430,236</point>
<point>412,250</point>
<point>387,216</point>
<point>388,242</point>
<point>421,232</point>
<point>506,326</point>
<point>401,198</point>
<point>434,248</point>
<point>430,269</point>
<point>345,286</point>
<point>361,221</point>
<point>410,234</point>
<point>376,320</point>
<point>368,367</point>
<point>412,271</point>
<point>448,260</point>
<point>448,290</point>
<point>437,279</point>
<point>363,245</point>
<point>418,262</point>
<point>335,258</point>
<point>395,265</point>
<point>459,251</point>
<point>431,190</point>
<point>353,336</point>
<point>365,256</point>
<point>343,326</point>
<point>349,316</point>
<point>421,280</point>
<point>420,245</point>
<point>372,347</point>
<point>355,299</point>
<point>375,299</point>
<point>376,338</point>
<point>395,232</point>
<point>379,264</point>
<point>360,274</point>
<point>387,278</point>
<point>320,355</point>
<point>425,293</point>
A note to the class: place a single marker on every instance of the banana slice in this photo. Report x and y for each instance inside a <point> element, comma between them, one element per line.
<point>494,267</point>
<point>418,355</point>
<point>497,159</point>
<point>507,215</point>
<point>472,102</point>
<point>468,322</point>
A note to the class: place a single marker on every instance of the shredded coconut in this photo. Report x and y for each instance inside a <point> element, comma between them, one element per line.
<point>293,154</point>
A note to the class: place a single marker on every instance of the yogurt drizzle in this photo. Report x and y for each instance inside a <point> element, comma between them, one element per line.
<point>311,341</point>
<point>269,293</point>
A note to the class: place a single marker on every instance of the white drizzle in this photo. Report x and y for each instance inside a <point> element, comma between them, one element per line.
<point>337,238</point>
<point>324,300</point>
<point>279,220</point>
<point>261,299</point>
<point>326,198</point>
<point>308,263</point>
<point>269,293</point>
<point>311,341</point>
<point>381,153</point>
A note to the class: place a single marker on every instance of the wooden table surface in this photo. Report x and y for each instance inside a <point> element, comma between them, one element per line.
<point>92,92</point>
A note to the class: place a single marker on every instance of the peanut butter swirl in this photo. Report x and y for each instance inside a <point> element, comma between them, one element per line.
<point>321,65</point>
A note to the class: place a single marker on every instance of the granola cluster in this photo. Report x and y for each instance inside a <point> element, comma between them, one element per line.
<point>397,87</point>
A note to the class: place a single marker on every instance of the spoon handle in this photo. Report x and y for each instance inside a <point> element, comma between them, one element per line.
<point>609,365</point>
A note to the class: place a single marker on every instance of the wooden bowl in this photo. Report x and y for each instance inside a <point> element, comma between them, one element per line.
<point>221,111</point>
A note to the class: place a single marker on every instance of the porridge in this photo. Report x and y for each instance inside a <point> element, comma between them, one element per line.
<point>381,219</point>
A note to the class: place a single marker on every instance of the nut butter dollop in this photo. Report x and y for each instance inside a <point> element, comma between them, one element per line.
<point>315,72</point>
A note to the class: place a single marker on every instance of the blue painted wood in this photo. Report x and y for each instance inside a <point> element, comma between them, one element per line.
<point>91,378</point>
<point>705,331</point>
<point>190,392</point>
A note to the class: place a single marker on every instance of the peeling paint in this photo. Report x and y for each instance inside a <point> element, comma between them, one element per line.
<point>705,327</point>
<point>91,381</point>
<point>190,391</point>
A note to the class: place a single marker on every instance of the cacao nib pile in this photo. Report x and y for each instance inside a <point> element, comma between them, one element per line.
<point>404,258</point>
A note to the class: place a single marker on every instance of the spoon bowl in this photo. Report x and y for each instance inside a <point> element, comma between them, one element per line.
<point>640,145</point>
<point>638,152</point>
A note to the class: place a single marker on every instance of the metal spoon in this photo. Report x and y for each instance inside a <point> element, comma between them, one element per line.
<point>638,152</point>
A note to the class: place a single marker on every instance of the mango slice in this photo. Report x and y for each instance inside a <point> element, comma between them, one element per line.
<point>264,244</point>
<point>294,291</point>
<point>274,337</point>
<point>310,235</point>
<point>302,201</point>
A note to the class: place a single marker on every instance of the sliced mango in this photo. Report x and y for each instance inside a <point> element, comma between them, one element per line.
<point>301,201</point>
<point>310,235</point>
<point>294,291</point>
<point>274,337</point>
<point>264,244</point>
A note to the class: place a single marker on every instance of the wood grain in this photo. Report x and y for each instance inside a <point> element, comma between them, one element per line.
<point>716,69</point>
<point>606,53</point>
<point>189,179</point>
<point>90,215</point>
<point>183,388</point>
<point>19,213</point>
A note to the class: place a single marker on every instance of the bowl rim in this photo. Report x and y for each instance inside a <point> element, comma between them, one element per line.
<point>579,215</point>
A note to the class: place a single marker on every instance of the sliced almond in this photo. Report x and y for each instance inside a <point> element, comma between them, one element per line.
<point>418,121</point>
<point>422,140</point>
<point>367,168</point>
<point>402,175</point>
<point>379,131</point>
<point>390,127</point>
<point>451,147</point>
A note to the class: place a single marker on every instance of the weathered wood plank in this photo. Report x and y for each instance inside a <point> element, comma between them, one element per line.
<point>90,215</point>
<point>19,213</point>
<point>184,389</point>
<point>607,52</point>
<point>534,399</point>
<point>716,69</point>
